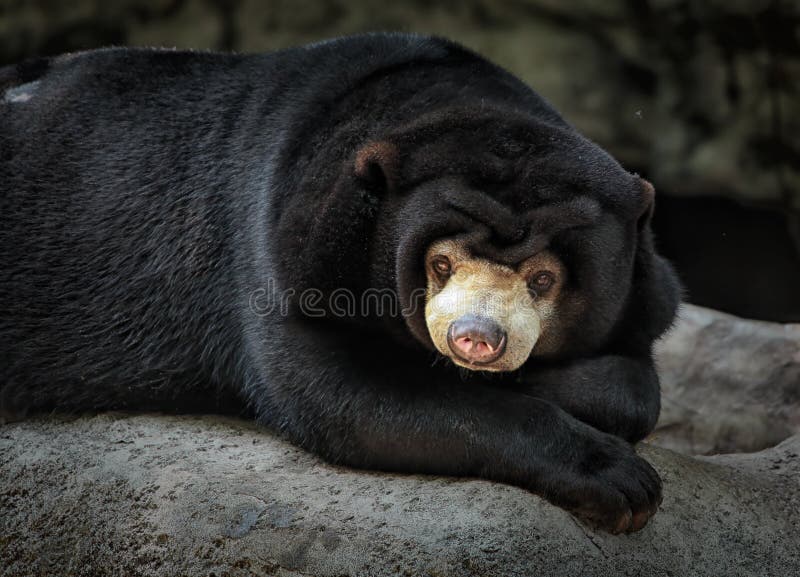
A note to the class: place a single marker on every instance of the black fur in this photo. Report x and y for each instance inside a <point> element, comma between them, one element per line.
<point>149,195</point>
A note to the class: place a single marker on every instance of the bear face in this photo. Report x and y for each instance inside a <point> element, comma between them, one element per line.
<point>488,316</point>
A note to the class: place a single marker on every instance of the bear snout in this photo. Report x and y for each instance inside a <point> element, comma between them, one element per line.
<point>476,339</point>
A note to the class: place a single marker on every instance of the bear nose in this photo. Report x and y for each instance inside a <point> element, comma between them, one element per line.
<point>476,339</point>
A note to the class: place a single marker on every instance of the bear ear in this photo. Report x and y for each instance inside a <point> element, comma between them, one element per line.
<point>377,165</point>
<point>657,290</point>
<point>646,204</point>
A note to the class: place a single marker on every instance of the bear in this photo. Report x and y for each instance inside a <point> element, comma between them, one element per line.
<point>383,247</point>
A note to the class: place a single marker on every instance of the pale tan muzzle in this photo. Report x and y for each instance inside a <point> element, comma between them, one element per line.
<point>480,314</point>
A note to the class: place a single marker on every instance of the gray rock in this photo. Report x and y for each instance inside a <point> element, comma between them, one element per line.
<point>155,495</point>
<point>728,384</point>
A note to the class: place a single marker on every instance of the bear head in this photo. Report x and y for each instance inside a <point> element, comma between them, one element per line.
<point>502,238</point>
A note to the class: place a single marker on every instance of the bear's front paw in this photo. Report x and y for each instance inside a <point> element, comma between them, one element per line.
<point>611,488</point>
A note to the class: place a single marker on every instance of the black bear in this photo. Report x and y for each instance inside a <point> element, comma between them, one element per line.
<point>307,232</point>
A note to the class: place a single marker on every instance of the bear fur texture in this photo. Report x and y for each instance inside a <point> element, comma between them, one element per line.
<point>200,231</point>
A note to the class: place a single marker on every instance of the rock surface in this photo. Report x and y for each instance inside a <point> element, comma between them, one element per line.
<point>159,495</point>
<point>727,384</point>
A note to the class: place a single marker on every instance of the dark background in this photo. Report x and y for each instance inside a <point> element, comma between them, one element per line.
<point>699,97</point>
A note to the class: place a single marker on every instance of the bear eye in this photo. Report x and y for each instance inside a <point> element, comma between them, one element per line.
<point>441,265</point>
<point>542,281</point>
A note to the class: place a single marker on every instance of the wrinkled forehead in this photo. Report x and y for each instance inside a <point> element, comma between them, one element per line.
<point>504,235</point>
<point>491,229</point>
<point>514,200</point>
